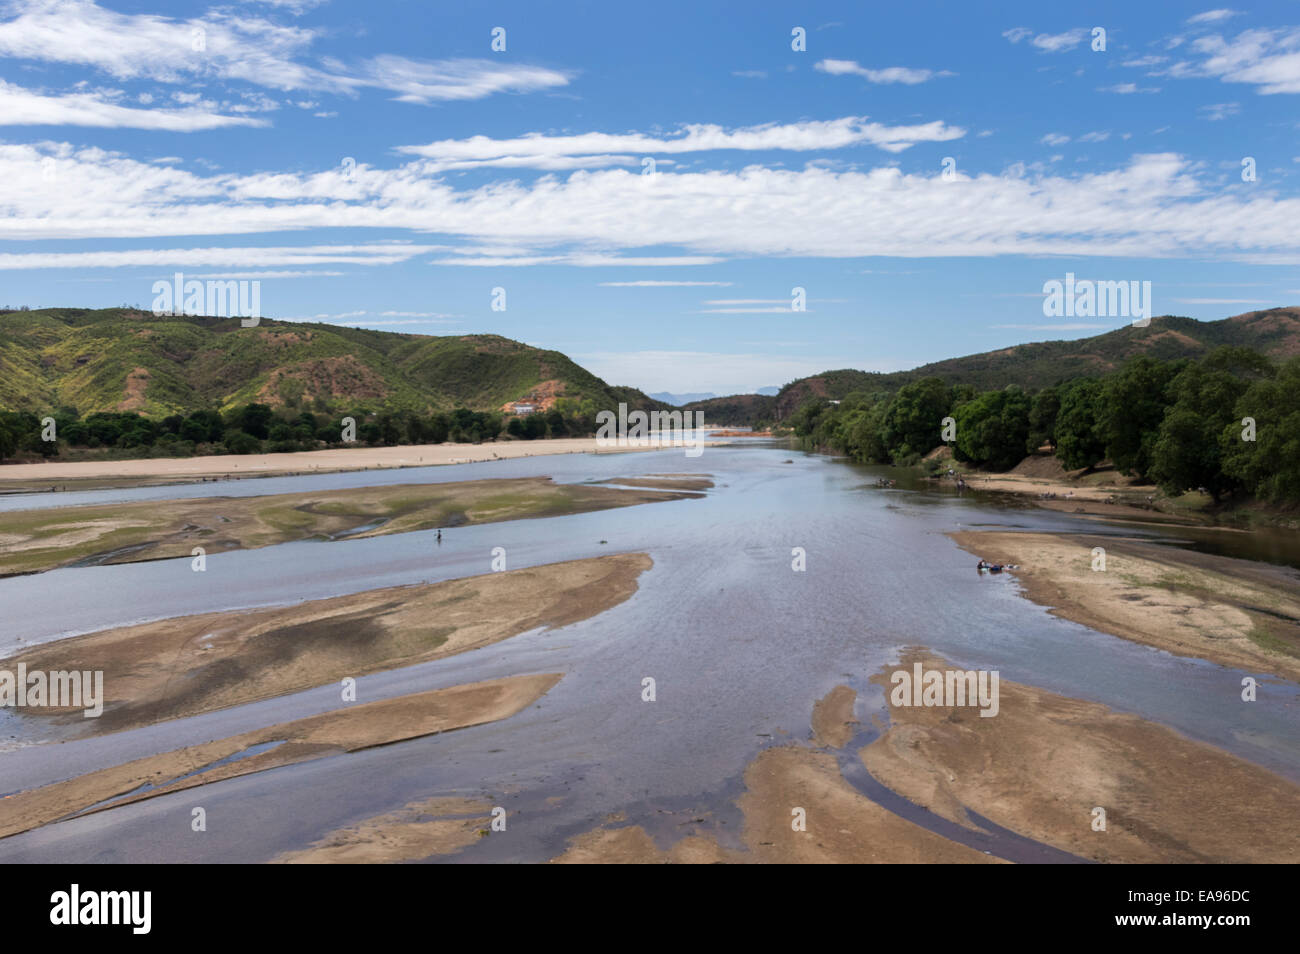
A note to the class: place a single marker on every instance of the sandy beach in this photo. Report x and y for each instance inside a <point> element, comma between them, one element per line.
<point>1044,763</point>
<point>181,667</point>
<point>1232,612</point>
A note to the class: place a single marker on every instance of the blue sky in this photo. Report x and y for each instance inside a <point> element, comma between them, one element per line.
<point>142,139</point>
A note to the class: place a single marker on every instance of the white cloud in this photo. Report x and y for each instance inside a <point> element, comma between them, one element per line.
<point>886,76</point>
<point>1268,59</point>
<point>288,255</point>
<point>1144,61</point>
<point>421,81</point>
<point>536,148</point>
<point>1055,139</point>
<point>1154,206</point>
<point>1213,16</point>
<point>1126,89</point>
<point>223,44</point>
<point>23,107</point>
<point>1048,42</point>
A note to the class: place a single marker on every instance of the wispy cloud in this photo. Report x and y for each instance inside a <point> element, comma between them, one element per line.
<point>1048,42</point>
<point>888,75</point>
<point>285,255</point>
<point>1127,89</point>
<point>1267,59</point>
<point>536,148</point>
<point>223,44</point>
<point>24,107</point>
<point>1156,205</point>
<point>1213,16</point>
<point>1219,111</point>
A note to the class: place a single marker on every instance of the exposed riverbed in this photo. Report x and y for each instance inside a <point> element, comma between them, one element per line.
<point>740,646</point>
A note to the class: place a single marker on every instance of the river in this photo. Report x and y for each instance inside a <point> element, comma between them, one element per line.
<point>738,642</point>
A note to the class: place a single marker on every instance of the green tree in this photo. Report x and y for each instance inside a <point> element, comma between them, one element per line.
<point>1078,443</point>
<point>1043,411</point>
<point>992,429</point>
<point>1188,451</point>
<point>913,423</point>
<point>1269,466</point>
<point>1130,410</point>
<point>8,438</point>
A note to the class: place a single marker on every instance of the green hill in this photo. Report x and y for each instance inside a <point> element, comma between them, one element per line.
<point>122,359</point>
<point>736,409</point>
<point>1275,332</point>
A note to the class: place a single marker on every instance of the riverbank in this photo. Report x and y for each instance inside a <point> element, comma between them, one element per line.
<point>38,540</point>
<point>101,474</point>
<point>1103,492</point>
<point>194,664</point>
<point>1236,613</point>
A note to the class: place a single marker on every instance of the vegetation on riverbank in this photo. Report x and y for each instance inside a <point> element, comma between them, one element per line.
<point>1227,426</point>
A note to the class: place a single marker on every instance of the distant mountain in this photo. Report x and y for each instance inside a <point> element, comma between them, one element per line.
<point>1275,332</point>
<point>769,391</point>
<point>679,399</point>
<point>115,359</point>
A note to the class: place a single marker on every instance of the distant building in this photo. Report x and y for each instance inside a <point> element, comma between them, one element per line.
<point>832,402</point>
<point>523,409</point>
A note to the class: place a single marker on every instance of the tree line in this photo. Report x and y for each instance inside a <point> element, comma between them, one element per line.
<point>1228,424</point>
<point>257,428</point>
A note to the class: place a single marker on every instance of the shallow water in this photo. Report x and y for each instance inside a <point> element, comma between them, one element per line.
<point>740,646</point>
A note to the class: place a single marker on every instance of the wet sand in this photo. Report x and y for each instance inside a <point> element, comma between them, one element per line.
<point>1232,612</point>
<point>332,733</point>
<point>1044,763</point>
<point>833,723</point>
<point>38,540</point>
<point>436,826</point>
<point>1039,768</point>
<point>841,825</point>
<point>677,482</point>
<point>193,664</point>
